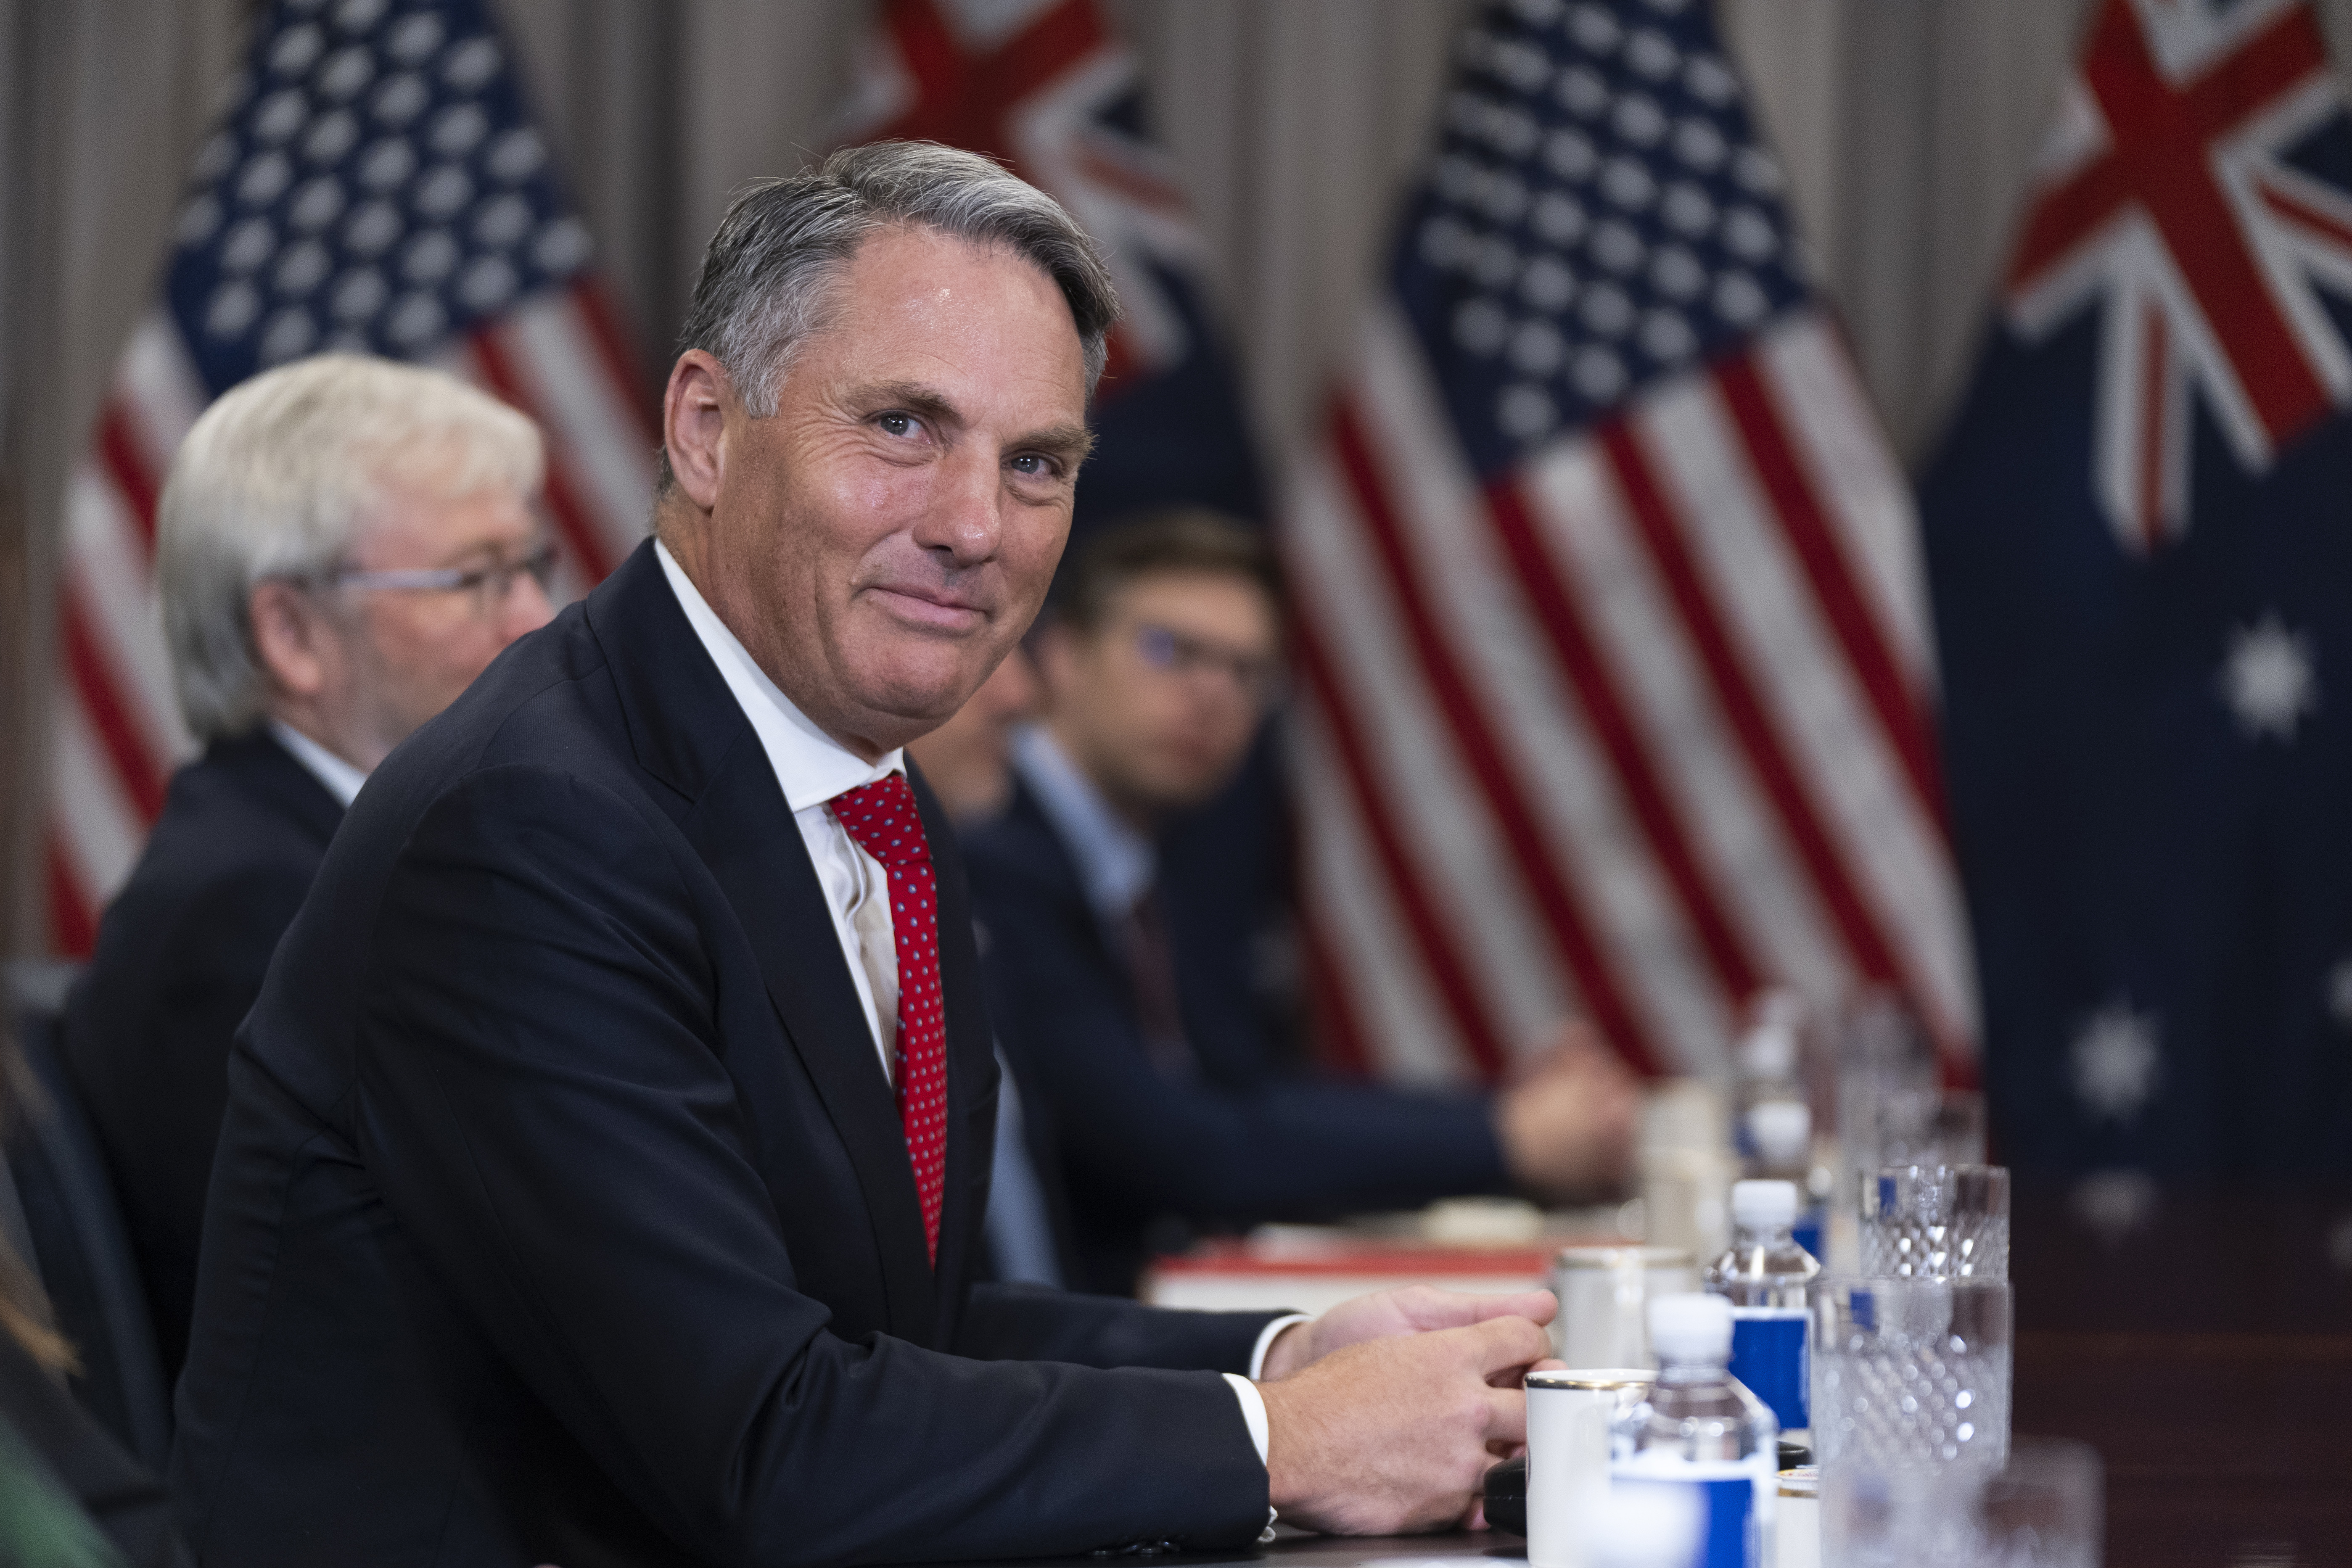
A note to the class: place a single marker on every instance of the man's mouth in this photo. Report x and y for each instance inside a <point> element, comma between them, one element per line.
<point>930,607</point>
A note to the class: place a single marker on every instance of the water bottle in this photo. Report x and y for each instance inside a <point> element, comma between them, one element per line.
<point>1701,1431</point>
<point>1763,1277</point>
<point>1765,1063</point>
<point>1781,1131</point>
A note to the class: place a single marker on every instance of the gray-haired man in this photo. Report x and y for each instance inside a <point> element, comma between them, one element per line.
<point>343,544</point>
<point>606,1156</point>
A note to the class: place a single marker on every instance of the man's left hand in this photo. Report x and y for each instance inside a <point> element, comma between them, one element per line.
<point>1414,1308</point>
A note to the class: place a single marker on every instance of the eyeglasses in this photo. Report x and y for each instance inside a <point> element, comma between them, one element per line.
<point>1169,651</point>
<point>489,584</point>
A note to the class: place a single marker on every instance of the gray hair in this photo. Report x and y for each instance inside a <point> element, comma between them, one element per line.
<point>767,276</point>
<point>279,477</point>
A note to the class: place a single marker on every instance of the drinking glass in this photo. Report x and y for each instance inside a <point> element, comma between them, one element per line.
<point>1934,1222</point>
<point>2042,1510</point>
<point>1911,1374</point>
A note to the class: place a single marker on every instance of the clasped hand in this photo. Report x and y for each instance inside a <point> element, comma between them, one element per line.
<point>1384,1413</point>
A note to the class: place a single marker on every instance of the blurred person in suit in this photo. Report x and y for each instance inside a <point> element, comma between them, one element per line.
<point>343,545</point>
<point>70,1496</point>
<point>1146,1063</point>
<point>605,1157</point>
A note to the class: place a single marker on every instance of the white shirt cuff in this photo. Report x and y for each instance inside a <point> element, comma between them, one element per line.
<point>1265,1341</point>
<point>1253,1410</point>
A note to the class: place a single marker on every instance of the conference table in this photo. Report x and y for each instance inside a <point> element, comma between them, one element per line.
<point>1299,1549</point>
<point>2201,1343</point>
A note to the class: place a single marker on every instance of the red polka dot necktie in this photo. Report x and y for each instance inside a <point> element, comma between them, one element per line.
<point>881,817</point>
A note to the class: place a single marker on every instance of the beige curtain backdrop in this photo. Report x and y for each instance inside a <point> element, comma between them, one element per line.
<point>1907,127</point>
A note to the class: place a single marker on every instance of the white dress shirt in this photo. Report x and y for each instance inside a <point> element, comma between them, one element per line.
<point>813,767</point>
<point>342,779</point>
<point>1117,865</point>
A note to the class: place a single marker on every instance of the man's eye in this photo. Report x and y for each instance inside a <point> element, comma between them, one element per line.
<point>896,424</point>
<point>1034,466</point>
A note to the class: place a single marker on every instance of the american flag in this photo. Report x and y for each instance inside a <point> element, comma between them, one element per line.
<point>2143,590</point>
<point>1051,88</point>
<point>1616,687</point>
<point>375,184</point>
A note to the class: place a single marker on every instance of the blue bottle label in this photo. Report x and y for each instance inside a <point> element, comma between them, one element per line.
<point>1728,1495</point>
<point>1808,1231</point>
<point>1769,1353</point>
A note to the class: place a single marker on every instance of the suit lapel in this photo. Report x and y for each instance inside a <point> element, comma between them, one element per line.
<point>748,837</point>
<point>687,731</point>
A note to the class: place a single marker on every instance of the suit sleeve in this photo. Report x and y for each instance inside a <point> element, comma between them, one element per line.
<point>1276,1147</point>
<point>1034,1323</point>
<point>542,1098</point>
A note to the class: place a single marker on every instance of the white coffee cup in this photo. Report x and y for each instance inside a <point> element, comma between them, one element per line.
<point>1569,1416</point>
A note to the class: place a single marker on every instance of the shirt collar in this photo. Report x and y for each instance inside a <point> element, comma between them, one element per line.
<point>810,765</point>
<point>340,778</point>
<point>1116,862</point>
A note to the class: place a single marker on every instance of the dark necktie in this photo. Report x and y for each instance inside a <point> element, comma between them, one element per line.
<point>1152,967</point>
<point>881,817</point>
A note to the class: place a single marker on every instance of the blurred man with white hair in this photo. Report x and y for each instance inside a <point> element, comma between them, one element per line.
<point>343,545</point>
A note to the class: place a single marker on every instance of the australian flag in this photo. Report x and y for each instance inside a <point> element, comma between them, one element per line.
<point>2139,539</point>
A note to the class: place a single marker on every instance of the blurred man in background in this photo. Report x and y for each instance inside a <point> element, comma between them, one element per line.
<point>343,545</point>
<point>1156,1087</point>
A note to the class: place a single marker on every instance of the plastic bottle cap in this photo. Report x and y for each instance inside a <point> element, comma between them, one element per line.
<point>1770,1051</point>
<point>1783,1130</point>
<point>1691,1328</point>
<point>1759,1203</point>
<point>1644,1524</point>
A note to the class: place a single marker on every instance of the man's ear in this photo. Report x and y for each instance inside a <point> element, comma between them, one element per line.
<point>286,632</point>
<point>695,407</point>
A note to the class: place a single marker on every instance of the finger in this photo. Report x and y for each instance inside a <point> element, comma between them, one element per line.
<point>1505,1341</point>
<point>1432,1308</point>
<point>1506,1415</point>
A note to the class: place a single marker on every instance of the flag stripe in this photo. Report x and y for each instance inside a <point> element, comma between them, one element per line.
<point>1889,855</point>
<point>1403,1027</point>
<point>1796,507</point>
<point>108,571</point>
<point>1661,533</point>
<point>1868,499</point>
<point>1482,607</point>
<point>1464,861</point>
<point>1604,708</point>
<point>1565,924</point>
<point>497,371</point>
<point>118,447</point>
<point>549,350</point>
<point>102,699</point>
<point>1462,1000</point>
<point>1587,527</point>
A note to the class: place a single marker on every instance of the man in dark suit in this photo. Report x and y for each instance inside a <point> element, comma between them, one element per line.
<point>606,1156</point>
<point>343,545</point>
<point>1146,1068</point>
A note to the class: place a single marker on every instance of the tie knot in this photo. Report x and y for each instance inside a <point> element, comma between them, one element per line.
<point>881,817</point>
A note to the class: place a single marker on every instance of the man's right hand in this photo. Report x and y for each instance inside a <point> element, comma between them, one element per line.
<point>1568,1128</point>
<point>1393,1434</point>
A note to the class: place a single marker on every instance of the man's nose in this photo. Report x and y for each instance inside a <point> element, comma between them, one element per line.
<point>965,517</point>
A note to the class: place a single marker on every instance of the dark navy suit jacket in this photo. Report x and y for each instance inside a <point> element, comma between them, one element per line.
<point>1241,1139</point>
<point>562,1212</point>
<point>181,953</point>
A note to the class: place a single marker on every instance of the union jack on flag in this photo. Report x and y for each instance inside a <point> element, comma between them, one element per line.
<point>1049,88</point>
<point>2169,196</point>
<point>376,183</point>
<point>1616,686</point>
<point>2145,722</point>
